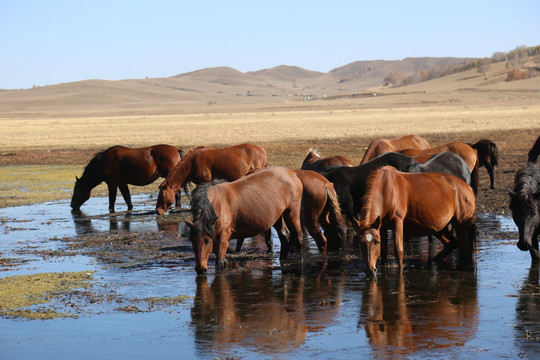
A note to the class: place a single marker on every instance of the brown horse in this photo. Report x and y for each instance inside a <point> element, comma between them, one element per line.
<point>488,157</point>
<point>467,153</point>
<point>203,164</point>
<point>416,204</point>
<point>314,161</point>
<point>381,146</point>
<point>119,166</point>
<point>320,206</point>
<point>244,208</point>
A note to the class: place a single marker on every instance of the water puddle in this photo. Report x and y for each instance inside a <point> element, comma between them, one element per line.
<point>259,308</point>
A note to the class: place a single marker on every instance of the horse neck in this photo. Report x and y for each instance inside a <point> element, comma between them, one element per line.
<point>373,200</point>
<point>180,174</point>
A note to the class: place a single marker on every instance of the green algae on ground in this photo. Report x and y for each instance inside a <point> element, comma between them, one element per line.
<point>18,293</point>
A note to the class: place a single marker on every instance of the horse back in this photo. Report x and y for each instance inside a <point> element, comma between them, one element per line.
<point>253,204</point>
<point>380,146</point>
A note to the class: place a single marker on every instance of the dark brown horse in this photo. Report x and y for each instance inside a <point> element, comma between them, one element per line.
<point>488,157</point>
<point>467,153</point>
<point>381,146</point>
<point>525,207</point>
<point>314,161</point>
<point>119,166</point>
<point>203,164</point>
<point>416,204</point>
<point>244,208</point>
<point>534,153</point>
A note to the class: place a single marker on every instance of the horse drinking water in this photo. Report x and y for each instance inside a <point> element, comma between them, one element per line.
<point>119,166</point>
<point>244,208</point>
<point>416,204</point>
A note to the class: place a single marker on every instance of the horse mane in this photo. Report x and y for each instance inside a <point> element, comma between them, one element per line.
<point>204,214</point>
<point>183,159</point>
<point>367,199</point>
<point>526,184</point>
<point>92,169</point>
<point>315,152</point>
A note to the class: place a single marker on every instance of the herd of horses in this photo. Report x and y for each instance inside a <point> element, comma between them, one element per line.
<point>402,186</point>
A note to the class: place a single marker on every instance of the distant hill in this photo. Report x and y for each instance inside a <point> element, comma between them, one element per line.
<point>218,85</point>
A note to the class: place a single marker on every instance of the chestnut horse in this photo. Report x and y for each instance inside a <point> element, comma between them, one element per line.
<point>314,161</point>
<point>525,207</point>
<point>466,152</point>
<point>381,146</point>
<point>119,166</point>
<point>320,206</point>
<point>244,208</point>
<point>416,204</point>
<point>488,157</point>
<point>203,164</point>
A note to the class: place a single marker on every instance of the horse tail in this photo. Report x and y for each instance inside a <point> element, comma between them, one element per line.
<point>336,229</point>
<point>494,154</point>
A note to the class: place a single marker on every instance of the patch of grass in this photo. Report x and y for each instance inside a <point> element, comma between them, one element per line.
<point>18,294</point>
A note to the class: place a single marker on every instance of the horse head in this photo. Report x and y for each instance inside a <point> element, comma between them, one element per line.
<point>526,215</point>
<point>81,193</point>
<point>166,197</point>
<point>202,242</point>
<point>369,237</point>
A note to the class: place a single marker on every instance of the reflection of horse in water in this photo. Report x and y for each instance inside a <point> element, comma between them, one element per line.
<point>420,310</point>
<point>528,313</point>
<point>260,312</point>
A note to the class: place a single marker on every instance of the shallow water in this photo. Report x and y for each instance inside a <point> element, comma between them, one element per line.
<point>316,310</point>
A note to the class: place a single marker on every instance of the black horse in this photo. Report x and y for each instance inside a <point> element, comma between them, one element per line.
<point>534,152</point>
<point>488,157</point>
<point>350,182</point>
<point>525,206</point>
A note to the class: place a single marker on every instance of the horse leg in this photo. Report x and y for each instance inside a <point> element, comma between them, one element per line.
<point>239,243</point>
<point>384,245</point>
<point>126,195</point>
<point>280,229</point>
<point>112,196</point>
<point>268,240</point>
<point>292,220</point>
<point>466,235</point>
<point>449,244</point>
<point>491,173</point>
<point>221,250</point>
<point>397,234</point>
<point>313,229</point>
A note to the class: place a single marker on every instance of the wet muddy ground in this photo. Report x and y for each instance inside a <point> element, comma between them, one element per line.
<point>145,300</point>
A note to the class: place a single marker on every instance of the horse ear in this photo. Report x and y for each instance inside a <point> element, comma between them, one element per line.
<point>76,178</point>
<point>189,223</point>
<point>511,192</point>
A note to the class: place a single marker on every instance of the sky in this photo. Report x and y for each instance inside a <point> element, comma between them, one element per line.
<point>48,42</point>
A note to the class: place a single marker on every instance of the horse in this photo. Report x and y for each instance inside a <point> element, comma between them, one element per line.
<point>314,161</point>
<point>350,182</point>
<point>119,166</point>
<point>488,157</point>
<point>416,204</point>
<point>320,206</point>
<point>534,153</point>
<point>243,208</point>
<point>525,207</point>
<point>447,162</point>
<point>381,146</point>
<point>202,164</point>
<point>467,153</point>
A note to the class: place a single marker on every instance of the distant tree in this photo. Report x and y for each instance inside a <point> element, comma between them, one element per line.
<point>516,74</point>
<point>395,79</point>
<point>484,65</point>
<point>499,57</point>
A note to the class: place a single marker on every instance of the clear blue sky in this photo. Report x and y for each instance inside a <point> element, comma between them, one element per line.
<point>48,42</point>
